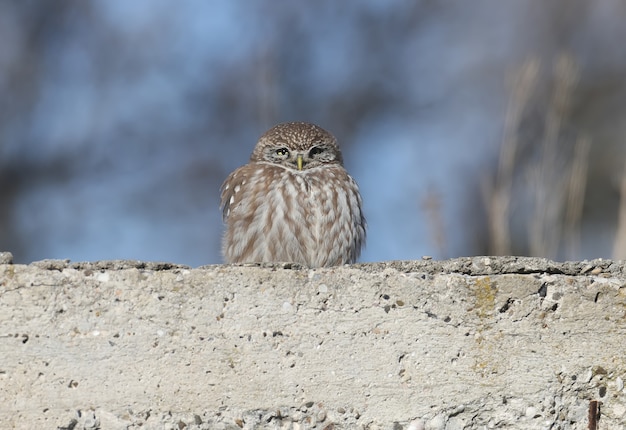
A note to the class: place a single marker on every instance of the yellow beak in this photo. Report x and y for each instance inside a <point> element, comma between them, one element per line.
<point>299,161</point>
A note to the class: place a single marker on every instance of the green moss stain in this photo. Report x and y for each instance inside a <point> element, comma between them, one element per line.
<point>622,302</point>
<point>484,291</point>
<point>485,295</point>
<point>8,272</point>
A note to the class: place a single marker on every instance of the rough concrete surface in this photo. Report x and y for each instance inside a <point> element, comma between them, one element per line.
<point>470,343</point>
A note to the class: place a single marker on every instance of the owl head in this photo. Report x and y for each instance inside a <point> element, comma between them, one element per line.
<point>297,145</point>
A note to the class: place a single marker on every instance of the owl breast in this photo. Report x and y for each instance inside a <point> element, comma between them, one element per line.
<point>312,217</point>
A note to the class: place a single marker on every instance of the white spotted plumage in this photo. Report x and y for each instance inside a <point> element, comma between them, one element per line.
<point>275,212</point>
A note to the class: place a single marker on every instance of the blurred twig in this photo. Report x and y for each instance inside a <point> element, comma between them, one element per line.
<point>431,205</point>
<point>619,246</point>
<point>556,180</point>
<point>498,195</point>
<point>576,195</point>
<point>547,182</point>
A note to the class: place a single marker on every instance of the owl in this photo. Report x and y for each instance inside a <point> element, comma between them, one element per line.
<point>293,202</point>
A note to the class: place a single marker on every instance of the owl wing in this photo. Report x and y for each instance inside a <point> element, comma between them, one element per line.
<point>228,190</point>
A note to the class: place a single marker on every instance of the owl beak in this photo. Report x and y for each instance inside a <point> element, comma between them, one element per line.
<point>299,161</point>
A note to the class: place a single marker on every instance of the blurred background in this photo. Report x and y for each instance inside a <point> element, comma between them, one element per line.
<point>473,128</point>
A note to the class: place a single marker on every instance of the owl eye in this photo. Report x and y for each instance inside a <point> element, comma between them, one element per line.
<point>316,150</point>
<point>282,152</point>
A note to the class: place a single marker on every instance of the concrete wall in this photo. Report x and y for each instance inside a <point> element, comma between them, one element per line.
<point>473,343</point>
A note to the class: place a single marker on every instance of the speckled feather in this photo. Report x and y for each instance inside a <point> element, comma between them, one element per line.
<point>277,213</point>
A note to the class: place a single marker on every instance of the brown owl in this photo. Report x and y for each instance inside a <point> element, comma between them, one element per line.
<point>293,202</point>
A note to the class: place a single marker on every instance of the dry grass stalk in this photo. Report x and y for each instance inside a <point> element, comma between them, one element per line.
<point>576,195</point>
<point>498,195</point>
<point>619,245</point>
<point>548,184</point>
<point>432,207</point>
